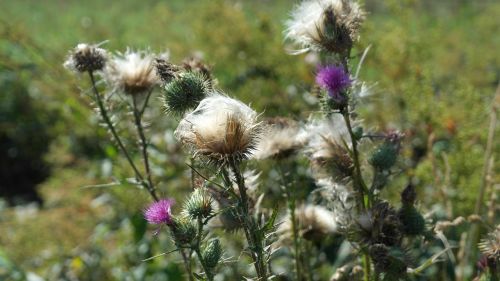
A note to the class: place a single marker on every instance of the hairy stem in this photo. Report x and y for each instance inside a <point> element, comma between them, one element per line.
<point>111,127</point>
<point>144,146</point>
<point>252,231</point>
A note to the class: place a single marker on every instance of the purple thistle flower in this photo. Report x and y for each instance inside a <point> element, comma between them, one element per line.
<point>159,212</point>
<point>335,80</point>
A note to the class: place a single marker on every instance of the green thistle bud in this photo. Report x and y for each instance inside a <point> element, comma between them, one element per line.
<point>183,231</point>
<point>412,222</point>
<point>384,157</point>
<point>212,253</point>
<point>199,204</point>
<point>185,92</point>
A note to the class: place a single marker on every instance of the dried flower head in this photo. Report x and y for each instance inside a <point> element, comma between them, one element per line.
<point>132,72</point>
<point>86,57</point>
<point>194,64</point>
<point>220,129</point>
<point>165,70</point>
<point>159,212</point>
<point>379,225</point>
<point>315,222</point>
<point>490,246</point>
<point>324,144</point>
<point>331,25</point>
<point>335,81</point>
<point>337,198</point>
<point>279,140</point>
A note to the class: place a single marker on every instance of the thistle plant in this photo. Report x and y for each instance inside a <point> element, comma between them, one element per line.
<point>349,167</point>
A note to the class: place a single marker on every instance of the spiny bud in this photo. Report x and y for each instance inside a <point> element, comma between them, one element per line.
<point>183,231</point>
<point>409,195</point>
<point>412,222</point>
<point>212,253</point>
<point>199,204</point>
<point>86,57</point>
<point>384,157</point>
<point>185,92</point>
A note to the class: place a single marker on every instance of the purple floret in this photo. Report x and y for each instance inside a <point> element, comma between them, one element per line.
<point>335,80</point>
<point>159,212</point>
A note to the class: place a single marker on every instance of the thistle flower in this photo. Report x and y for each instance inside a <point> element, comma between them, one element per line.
<point>220,129</point>
<point>335,81</point>
<point>86,57</point>
<point>331,25</point>
<point>315,222</point>
<point>132,72</point>
<point>280,139</point>
<point>159,212</point>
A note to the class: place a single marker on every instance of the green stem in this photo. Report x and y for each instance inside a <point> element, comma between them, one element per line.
<point>197,250</point>
<point>108,122</point>
<point>187,263</point>
<point>144,146</point>
<point>252,232</point>
<point>295,235</point>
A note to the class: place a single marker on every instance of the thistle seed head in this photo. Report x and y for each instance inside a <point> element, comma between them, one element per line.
<point>220,129</point>
<point>132,72</point>
<point>86,57</point>
<point>329,25</point>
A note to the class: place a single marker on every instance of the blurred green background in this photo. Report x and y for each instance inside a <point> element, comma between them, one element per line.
<point>432,70</point>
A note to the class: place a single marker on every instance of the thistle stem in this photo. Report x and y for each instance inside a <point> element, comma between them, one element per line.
<point>111,127</point>
<point>187,263</point>
<point>295,235</point>
<point>144,146</point>
<point>252,231</point>
<point>197,250</point>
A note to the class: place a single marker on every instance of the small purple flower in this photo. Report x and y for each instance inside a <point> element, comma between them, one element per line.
<point>335,80</point>
<point>159,212</point>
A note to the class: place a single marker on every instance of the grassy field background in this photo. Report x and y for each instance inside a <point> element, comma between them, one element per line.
<point>433,68</point>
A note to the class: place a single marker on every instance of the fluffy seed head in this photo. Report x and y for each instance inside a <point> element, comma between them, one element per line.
<point>315,223</point>
<point>279,140</point>
<point>132,72</point>
<point>220,129</point>
<point>331,25</point>
<point>159,212</point>
<point>86,57</point>
<point>324,145</point>
<point>490,246</point>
